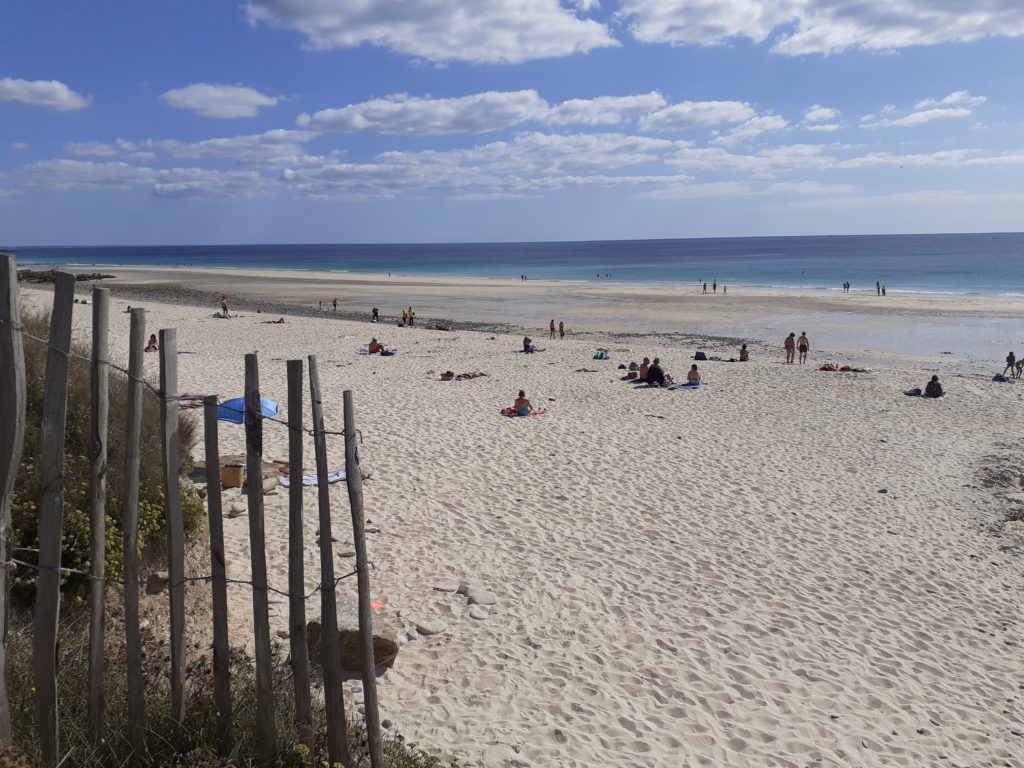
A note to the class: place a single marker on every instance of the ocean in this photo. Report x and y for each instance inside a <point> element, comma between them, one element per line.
<point>964,264</point>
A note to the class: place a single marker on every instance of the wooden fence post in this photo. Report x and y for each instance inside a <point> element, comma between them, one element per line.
<point>171,441</point>
<point>218,570</point>
<point>354,481</point>
<point>12,437</point>
<point>296,556</point>
<point>337,728</point>
<point>51,518</point>
<point>100,382</point>
<point>266,733</point>
<point>130,529</point>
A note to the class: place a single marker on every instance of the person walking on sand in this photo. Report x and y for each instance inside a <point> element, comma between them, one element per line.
<point>334,304</point>
<point>705,287</point>
<point>790,345</point>
<point>803,344</point>
<point>561,329</point>
<point>714,287</point>
<point>1011,364</point>
<point>224,306</point>
<point>551,329</point>
<point>878,288</point>
<point>412,317</point>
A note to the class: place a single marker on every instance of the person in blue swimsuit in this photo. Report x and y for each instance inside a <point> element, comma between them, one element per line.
<point>523,406</point>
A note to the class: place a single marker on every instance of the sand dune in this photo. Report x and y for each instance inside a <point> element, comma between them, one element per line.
<point>709,578</point>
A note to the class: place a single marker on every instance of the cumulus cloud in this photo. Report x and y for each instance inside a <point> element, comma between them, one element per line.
<point>49,94</point>
<point>819,114</point>
<point>955,105</point>
<point>222,101</point>
<point>750,129</point>
<point>823,127</point>
<point>401,113</point>
<point>604,110</point>
<point>498,31</point>
<point>821,26</point>
<point>697,114</point>
<point>273,149</point>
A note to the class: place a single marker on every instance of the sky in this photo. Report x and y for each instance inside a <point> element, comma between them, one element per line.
<point>355,121</point>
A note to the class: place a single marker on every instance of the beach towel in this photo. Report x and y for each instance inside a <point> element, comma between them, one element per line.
<point>332,477</point>
<point>387,353</point>
<point>511,412</point>
<point>688,386</point>
<point>234,410</point>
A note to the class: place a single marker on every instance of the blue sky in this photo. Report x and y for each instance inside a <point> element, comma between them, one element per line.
<point>445,120</point>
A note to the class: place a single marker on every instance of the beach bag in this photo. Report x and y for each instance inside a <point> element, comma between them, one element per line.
<point>601,355</point>
<point>915,392</point>
<point>700,356</point>
<point>633,375</point>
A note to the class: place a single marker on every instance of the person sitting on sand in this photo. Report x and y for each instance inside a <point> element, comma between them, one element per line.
<point>744,355</point>
<point>129,310</point>
<point>645,367</point>
<point>656,377</point>
<point>152,345</point>
<point>528,344</point>
<point>693,377</point>
<point>933,388</point>
<point>522,405</point>
<point>375,346</point>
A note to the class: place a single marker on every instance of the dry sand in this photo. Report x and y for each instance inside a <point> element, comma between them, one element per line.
<point>709,578</point>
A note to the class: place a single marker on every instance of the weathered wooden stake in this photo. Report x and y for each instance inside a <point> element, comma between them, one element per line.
<point>12,438</point>
<point>354,481</point>
<point>51,519</point>
<point>130,530</point>
<point>175,525</point>
<point>218,570</point>
<point>100,382</point>
<point>266,734</point>
<point>337,728</point>
<point>296,556</point>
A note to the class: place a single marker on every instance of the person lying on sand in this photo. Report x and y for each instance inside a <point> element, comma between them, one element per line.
<point>279,321</point>
<point>375,346</point>
<point>152,345</point>
<point>522,405</point>
<point>693,377</point>
<point>933,388</point>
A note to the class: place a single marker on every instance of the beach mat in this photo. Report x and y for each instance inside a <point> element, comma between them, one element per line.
<point>332,477</point>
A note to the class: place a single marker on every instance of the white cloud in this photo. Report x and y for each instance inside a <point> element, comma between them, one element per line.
<point>822,26</point>
<point>604,110</point>
<point>956,98</point>
<point>764,164</point>
<point>49,94</point>
<point>819,114</point>
<point>499,31</point>
<point>223,101</point>
<point>273,149</point>
<point>19,146</point>
<point>91,149</point>
<point>823,127</point>
<point>401,113</point>
<point>696,114</point>
<point>752,128</point>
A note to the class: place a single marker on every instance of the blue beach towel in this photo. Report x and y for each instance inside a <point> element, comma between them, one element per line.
<point>234,410</point>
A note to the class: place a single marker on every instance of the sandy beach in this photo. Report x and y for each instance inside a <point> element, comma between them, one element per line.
<point>787,567</point>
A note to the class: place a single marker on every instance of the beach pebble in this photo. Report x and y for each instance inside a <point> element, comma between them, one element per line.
<point>883,490</point>
<point>478,612</point>
<point>347,553</point>
<point>412,634</point>
<point>283,634</point>
<point>373,529</point>
<point>451,586</point>
<point>385,724</point>
<point>237,508</point>
<point>481,597</point>
<point>430,626</point>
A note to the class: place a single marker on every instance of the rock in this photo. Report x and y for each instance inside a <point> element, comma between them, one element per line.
<point>385,724</point>
<point>157,582</point>
<point>883,490</point>
<point>350,648</point>
<point>481,597</point>
<point>237,508</point>
<point>270,484</point>
<point>372,529</point>
<point>347,553</point>
<point>430,626</point>
<point>412,634</point>
<point>478,612</point>
<point>283,634</point>
<point>447,587</point>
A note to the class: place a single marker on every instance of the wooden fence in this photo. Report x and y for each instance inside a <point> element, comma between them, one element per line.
<point>51,512</point>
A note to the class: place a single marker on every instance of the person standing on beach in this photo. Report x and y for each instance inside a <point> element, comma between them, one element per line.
<point>561,329</point>
<point>224,306</point>
<point>878,288</point>
<point>1011,364</point>
<point>714,287</point>
<point>320,304</point>
<point>803,344</point>
<point>790,345</point>
<point>551,329</point>
<point>705,287</point>
<point>334,303</point>
<point>412,317</point>
<point>883,290</point>
<point>405,317</point>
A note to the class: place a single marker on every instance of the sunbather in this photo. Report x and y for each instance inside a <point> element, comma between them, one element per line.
<point>375,346</point>
<point>693,377</point>
<point>152,345</point>
<point>522,405</point>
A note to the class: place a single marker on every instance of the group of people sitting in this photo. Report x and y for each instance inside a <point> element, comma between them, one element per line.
<point>652,374</point>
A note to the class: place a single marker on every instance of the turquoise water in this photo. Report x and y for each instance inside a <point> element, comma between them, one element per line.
<point>955,264</point>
